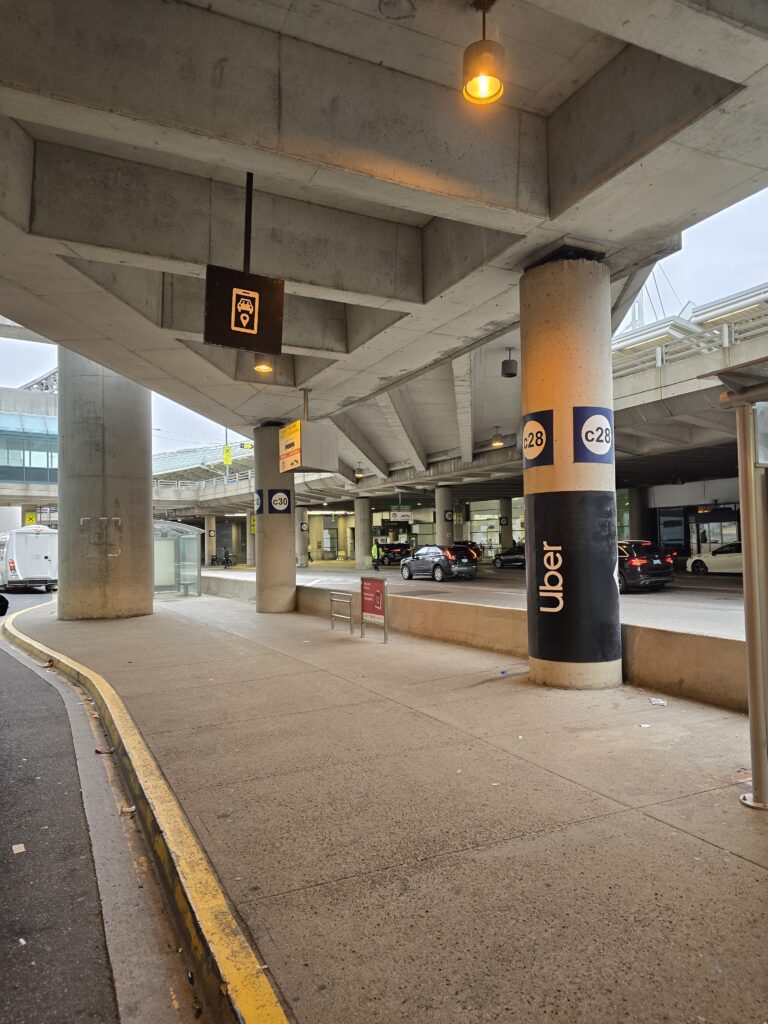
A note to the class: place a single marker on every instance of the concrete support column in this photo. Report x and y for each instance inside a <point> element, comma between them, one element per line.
<point>275,529</point>
<point>363,534</point>
<point>302,538</point>
<point>506,537</point>
<point>210,541</point>
<point>250,542</point>
<point>638,512</point>
<point>574,637</point>
<point>443,516</point>
<point>105,493</point>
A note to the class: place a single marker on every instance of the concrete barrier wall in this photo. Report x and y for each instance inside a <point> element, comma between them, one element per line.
<point>707,668</point>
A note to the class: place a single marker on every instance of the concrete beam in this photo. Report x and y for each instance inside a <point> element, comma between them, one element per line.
<point>212,88</point>
<point>366,451</point>
<point>462,390</point>
<point>635,103</point>
<point>176,303</point>
<point>401,423</point>
<point>104,208</point>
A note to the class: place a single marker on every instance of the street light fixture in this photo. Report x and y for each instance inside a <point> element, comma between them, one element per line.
<point>484,67</point>
<point>359,472</point>
<point>497,441</point>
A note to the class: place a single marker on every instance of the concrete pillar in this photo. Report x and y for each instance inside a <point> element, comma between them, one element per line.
<point>275,529</point>
<point>105,493</point>
<point>363,534</point>
<point>250,542</point>
<point>505,524</point>
<point>210,541</point>
<point>638,512</point>
<point>443,516</point>
<point>25,511</point>
<point>302,538</point>
<point>574,637</point>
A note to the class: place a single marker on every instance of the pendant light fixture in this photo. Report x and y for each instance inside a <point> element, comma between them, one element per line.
<point>263,365</point>
<point>497,441</point>
<point>484,66</point>
<point>359,472</point>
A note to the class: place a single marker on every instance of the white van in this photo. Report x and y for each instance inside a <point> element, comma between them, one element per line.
<point>29,557</point>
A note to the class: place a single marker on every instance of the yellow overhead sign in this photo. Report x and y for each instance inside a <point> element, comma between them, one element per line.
<point>290,446</point>
<point>30,518</point>
<point>227,454</point>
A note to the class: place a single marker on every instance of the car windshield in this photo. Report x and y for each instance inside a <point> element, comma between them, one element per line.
<point>644,549</point>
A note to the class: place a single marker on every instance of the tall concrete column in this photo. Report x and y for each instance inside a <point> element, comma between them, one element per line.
<point>302,538</point>
<point>506,536</point>
<point>363,534</point>
<point>105,493</point>
<point>210,541</point>
<point>275,529</point>
<point>250,542</point>
<point>638,512</point>
<point>574,637</point>
<point>443,516</point>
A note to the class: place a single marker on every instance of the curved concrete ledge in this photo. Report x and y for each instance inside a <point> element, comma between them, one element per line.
<point>235,987</point>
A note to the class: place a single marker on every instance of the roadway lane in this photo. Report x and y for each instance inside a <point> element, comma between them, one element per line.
<point>711,606</point>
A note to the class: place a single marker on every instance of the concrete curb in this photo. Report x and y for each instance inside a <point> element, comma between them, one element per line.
<point>226,966</point>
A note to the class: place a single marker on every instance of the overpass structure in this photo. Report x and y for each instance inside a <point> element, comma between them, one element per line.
<point>665,407</point>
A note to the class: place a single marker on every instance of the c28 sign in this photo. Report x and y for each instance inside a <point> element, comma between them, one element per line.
<point>592,434</point>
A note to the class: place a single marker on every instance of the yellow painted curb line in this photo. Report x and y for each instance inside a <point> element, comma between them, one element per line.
<point>225,961</point>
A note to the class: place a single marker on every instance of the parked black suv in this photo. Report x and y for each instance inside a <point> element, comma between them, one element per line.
<point>512,558</point>
<point>643,564</point>
<point>440,564</point>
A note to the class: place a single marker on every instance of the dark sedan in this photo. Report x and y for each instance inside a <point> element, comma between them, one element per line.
<point>391,554</point>
<point>440,564</point>
<point>512,558</point>
<point>643,565</point>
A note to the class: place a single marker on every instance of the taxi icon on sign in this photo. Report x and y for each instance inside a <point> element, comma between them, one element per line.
<point>245,311</point>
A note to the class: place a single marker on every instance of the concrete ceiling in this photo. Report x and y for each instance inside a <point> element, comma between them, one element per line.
<point>400,217</point>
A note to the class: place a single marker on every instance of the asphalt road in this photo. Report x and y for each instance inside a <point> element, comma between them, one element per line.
<point>711,606</point>
<point>53,956</point>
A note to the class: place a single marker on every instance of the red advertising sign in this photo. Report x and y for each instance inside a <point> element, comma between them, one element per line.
<point>372,593</point>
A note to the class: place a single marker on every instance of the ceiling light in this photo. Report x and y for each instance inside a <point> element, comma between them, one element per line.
<point>509,365</point>
<point>263,365</point>
<point>497,441</point>
<point>359,472</point>
<point>484,68</point>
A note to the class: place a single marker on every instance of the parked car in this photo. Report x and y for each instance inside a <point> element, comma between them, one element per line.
<point>440,564</point>
<point>391,554</point>
<point>479,549</point>
<point>29,557</point>
<point>642,564</point>
<point>726,558</point>
<point>512,558</point>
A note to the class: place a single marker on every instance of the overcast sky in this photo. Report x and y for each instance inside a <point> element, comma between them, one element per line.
<point>727,253</point>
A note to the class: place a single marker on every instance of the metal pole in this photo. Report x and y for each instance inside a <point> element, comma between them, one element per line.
<point>754,546</point>
<point>305,392</point>
<point>248,219</point>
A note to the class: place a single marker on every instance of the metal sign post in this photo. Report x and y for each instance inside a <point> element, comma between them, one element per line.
<point>754,545</point>
<point>373,604</point>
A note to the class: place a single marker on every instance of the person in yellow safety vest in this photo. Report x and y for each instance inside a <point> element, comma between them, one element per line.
<point>375,555</point>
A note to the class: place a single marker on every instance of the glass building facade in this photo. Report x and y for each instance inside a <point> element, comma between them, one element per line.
<point>29,448</point>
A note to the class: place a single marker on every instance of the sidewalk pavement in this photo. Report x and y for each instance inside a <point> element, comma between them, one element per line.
<point>411,836</point>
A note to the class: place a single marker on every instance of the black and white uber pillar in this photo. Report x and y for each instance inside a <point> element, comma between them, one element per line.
<point>574,635</point>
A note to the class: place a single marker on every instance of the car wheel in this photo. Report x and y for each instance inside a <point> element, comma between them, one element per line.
<point>699,568</point>
<point>406,573</point>
<point>497,562</point>
<point>49,589</point>
<point>385,559</point>
<point>622,584</point>
<point>438,574</point>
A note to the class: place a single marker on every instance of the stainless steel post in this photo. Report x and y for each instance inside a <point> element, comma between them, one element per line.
<point>754,546</point>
